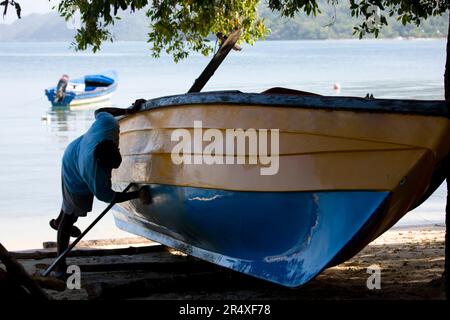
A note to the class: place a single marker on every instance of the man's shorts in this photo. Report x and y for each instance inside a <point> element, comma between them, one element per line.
<point>76,205</point>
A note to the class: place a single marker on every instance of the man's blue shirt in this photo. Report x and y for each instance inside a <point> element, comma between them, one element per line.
<point>81,172</point>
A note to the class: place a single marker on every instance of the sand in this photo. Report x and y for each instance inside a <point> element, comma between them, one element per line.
<point>410,260</point>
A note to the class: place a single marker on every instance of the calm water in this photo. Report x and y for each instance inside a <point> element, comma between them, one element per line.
<point>31,148</point>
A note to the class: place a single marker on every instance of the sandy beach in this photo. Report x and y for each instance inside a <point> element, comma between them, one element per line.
<point>411,262</point>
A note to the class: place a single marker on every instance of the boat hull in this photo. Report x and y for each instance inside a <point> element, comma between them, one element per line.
<point>285,238</point>
<point>348,171</point>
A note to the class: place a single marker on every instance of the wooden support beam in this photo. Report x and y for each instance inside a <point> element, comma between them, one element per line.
<point>215,62</point>
<point>38,255</point>
<point>163,267</point>
<point>50,283</point>
<point>17,273</point>
<point>224,280</point>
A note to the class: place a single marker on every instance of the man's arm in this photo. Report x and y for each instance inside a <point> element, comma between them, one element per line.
<point>143,194</point>
<point>116,112</point>
<point>101,188</point>
<point>125,196</point>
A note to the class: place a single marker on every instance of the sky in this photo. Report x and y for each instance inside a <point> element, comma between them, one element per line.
<point>28,7</point>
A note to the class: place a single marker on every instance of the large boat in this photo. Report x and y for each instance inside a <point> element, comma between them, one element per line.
<point>85,91</point>
<point>345,170</point>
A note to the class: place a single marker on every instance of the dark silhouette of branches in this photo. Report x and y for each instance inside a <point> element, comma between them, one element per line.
<point>13,3</point>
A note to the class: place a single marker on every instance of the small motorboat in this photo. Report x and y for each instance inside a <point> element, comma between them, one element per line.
<point>85,91</point>
<point>348,169</point>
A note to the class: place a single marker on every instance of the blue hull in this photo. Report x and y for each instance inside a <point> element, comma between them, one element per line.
<point>283,237</point>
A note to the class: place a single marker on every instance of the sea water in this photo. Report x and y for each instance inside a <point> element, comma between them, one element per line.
<point>33,137</point>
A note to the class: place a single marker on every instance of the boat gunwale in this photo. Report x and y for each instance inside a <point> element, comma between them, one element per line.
<point>438,108</point>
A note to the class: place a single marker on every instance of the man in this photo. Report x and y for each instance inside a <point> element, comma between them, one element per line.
<point>86,172</point>
<point>61,88</point>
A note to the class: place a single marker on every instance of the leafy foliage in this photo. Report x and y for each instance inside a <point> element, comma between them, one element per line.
<point>179,26</point>
<point>176,26</point>
<point>290,8</point>
<point>336,22</point>
<point>407,11</point>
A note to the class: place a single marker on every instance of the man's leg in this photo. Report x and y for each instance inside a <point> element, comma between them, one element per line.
<point>54,223</point>
<point>59,218</point>
<point>63,238</point>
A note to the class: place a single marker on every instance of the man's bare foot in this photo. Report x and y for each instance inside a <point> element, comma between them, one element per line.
<point>60,272</point>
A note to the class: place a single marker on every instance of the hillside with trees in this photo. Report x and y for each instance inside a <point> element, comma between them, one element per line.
<point>330,24</point>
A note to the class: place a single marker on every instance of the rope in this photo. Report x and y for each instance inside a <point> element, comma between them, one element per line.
<point>24,104</point>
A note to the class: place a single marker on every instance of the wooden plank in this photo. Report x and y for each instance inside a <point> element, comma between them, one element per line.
<point>123,242</point>
<point>163,267</point>
<point>50,283</point>
<point>38,255</point>
<point>208,281</point>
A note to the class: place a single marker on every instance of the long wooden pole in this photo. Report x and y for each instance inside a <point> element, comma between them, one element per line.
<point>66,252</point>
<point>215,62</point>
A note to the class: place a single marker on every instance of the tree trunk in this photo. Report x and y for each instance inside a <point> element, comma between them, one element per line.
<point>447,67</point>
<point>447,234</point>
<point>447,207</point>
